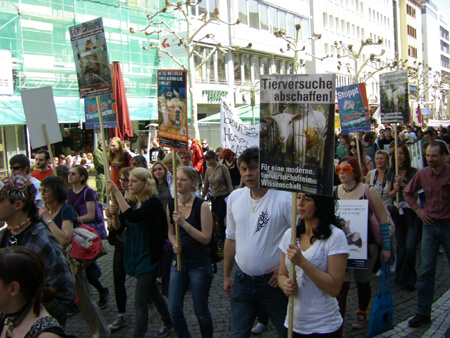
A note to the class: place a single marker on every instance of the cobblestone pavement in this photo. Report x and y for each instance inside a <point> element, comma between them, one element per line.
<point>405,305</point>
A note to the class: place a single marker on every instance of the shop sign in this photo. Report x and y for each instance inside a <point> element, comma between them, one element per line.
<point>214,95</point>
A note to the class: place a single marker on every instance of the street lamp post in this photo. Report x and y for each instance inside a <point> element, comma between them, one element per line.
<point>251,88</point>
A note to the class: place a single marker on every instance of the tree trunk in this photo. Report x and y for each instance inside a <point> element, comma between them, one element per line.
<point>191,72</point>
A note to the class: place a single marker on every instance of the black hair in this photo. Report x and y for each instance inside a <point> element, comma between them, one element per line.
<point>249,155</point>
<point>140,160</point>
<point>58,187</point>
<point>326,213</point>
<point>210,154</point>
<point>21,160</point>
<point>443,148</point>
<point>45,152</point>
<point>26,267</point>
<point>82,171</point>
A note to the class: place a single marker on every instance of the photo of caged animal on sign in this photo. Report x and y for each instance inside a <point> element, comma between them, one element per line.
<point>298,133</point>
<point>171,112</point>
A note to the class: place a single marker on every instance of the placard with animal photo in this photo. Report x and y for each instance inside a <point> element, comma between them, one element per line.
<point>172,110</point>
<point>356,229</point>
<point>91,58</point>
<point>353,108</point>
<point>297,133</point>
<point>394,97</point>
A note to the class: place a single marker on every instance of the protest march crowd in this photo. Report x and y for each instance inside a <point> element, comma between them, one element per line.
<point>54,224</point>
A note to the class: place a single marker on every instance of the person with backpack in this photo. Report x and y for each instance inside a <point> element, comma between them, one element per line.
<point>195,224</point>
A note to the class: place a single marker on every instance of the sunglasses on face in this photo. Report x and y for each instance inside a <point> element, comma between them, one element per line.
<point>72,173</point>
<point>16,168</point>
<point>347,169</point>
<point>352,147</point>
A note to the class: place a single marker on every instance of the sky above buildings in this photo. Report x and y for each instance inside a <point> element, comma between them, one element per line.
<point>444,9</point>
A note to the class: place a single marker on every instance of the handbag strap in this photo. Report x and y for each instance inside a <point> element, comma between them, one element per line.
<point>385,275</point>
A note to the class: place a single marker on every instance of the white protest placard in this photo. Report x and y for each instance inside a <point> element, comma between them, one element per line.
<point>39,108</point>
<point>6,79</point>
<point>355,213</point>
<point>235,134</point>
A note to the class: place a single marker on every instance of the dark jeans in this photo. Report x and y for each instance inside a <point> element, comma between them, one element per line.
<point>119,275</point>
<point>219,207</point>
<point>200,281</point>
<point>249,293</point>
<point>406,234</point>
<point>146,289</point>
<point>432,236</point>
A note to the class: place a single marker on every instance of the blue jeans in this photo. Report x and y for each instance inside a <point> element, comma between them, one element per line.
<point>406,234</point>
<point>432,236</point>
<point>249,293</point>
<point>200,280</point>
<point>146,289</point>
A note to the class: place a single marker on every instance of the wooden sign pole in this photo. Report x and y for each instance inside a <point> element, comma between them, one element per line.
<point>177,228</point>
<point>292,274</point>
<point>50,151</point>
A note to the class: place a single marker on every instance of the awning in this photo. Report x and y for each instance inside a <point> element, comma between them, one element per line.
<point>244,112</point>
<point>71,109</point>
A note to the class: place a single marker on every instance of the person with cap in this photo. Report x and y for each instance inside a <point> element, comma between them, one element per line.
<point>18,210</point>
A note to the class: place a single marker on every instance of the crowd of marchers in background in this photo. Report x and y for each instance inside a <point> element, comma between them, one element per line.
<point>41,211</point>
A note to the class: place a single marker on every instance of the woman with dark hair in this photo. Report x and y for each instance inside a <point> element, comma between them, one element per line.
<point>344,144</point>
<point>230,161</point>
<point>159,173</point>
<point>366,161</point>
<point>351,188</point>
<point>218,177</point>
<point>320,257</point>
<point>370,143</point>
<point>380,178</point>
<point>22,290</point>
<point>139,161</point>
<point>146,223</point>
<point>82,199</point>
<point>194,219</point>
<point>118,158</point>
<point>406,221</point>
<point>61,220</point>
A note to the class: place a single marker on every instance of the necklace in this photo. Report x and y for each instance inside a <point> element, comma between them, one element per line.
<point>254,202</point>
<point>20,226</point>
<point>14,319</point>
<point>349,190</point>
<point>184,203</point>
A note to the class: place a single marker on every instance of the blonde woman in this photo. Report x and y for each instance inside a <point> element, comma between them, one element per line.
<point>146,224</point>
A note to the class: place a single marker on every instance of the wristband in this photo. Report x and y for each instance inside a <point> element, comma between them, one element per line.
<point>385,230</point>
<point>49,221</point>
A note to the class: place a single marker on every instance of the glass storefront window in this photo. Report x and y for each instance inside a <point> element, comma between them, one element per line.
<point>264,66</point>
<point>237,68</point>
<point>247,68</point>
<point>221,70</point>
<point>256,67</point>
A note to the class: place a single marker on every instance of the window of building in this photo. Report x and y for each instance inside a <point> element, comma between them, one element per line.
<point>221,68</point>
<point>237,68</point>
<point>263,13</point>
<point>247,68</point>
<point>210,74</point>
<point>290,25</point>
<point>211,6</point>
<point>273,17</point>
<point>282,20</point>
<point>325,20</point>
<point>253,14</point>
<point>256,68</point>
<point>331,21</point>
<point>264,66</point>
<point>242,11</point>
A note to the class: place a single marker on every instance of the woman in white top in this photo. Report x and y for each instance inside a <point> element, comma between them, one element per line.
<point>320,258</point>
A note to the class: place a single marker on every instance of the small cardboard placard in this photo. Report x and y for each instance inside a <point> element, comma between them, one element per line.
<point>39,108</point>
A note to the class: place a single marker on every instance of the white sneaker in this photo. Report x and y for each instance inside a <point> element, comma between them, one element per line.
<point>258,328</point>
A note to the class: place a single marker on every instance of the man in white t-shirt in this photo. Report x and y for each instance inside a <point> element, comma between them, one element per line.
<point>256,221</point>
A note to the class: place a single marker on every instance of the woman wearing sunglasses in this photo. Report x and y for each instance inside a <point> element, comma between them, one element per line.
<point>82,199</point>
<point>351,188</point>
<point>406,221</point>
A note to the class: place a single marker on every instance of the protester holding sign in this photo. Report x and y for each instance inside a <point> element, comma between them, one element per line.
<point>320,258</point>
<point>351,188</point>
<point>365,160</point>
